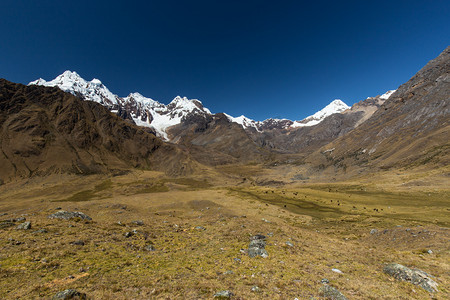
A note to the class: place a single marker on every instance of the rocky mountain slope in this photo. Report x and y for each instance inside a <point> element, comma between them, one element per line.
<point>324,127</point>
<point>410,129</point>
<point>45,130</point>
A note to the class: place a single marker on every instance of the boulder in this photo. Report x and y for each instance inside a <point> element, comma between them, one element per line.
<point>24,226</point>
<point>415,276</point>
<point>257,245</point>
<point>223,295</point>
<point>329,292</point>
<point>67,215</point>
<point>69,294</point>
<point>149,248</point>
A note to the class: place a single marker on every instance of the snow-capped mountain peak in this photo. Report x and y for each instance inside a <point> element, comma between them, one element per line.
<point>183,104</point>
<point>73,83</point>
<point>138,98</point>
<point>336,106</point>
<point>244,121</point>
<point>388,94</point>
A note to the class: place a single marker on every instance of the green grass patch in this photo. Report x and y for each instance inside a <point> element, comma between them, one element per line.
<point>87,195</point>
<point>80,196</point>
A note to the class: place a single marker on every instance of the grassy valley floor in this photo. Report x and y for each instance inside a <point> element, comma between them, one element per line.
<point>194,234</point>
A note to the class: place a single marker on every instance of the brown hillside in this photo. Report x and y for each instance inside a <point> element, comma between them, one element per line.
<point>44,130</point>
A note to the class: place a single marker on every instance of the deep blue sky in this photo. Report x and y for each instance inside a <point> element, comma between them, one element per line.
<point>258,58</point>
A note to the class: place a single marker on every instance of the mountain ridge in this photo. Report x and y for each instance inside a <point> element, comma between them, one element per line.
<point>144,111</point>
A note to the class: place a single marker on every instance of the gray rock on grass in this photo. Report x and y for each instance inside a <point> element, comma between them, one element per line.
<point>257,245</point>
<point>150,248</point>
<point>223,295</point>
<point>24,226</point>
<point>69,294</point>
<point>329,292</point>
<point>67,215</point>
<point>415,276</point>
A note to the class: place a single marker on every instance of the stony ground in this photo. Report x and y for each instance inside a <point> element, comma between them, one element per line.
<point>158,238</point>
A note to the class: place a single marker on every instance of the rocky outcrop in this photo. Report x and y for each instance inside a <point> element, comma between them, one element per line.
<point>69,294</point>
<point>67,215</point>
<point>329,292</point>
<point>257,246</point>
<point>415,276</point>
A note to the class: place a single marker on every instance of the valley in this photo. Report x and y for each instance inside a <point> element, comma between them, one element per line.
<point>159,237</point>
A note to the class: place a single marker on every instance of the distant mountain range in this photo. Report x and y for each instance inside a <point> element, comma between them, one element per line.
<point>70,125</point>
<point>147,112</point>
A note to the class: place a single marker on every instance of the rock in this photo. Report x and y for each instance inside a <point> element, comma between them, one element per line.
<point>21,219</point>
<point>373,231</point>
<point>289,244</point>
<point>77,243</point>
<point>253,252</point>
<point>256,246</point>
<point>258,237</point>
<point>69,294</point>
<point>223,295</point>
<point>415,276</point>
<point>128,234</point>
<point>149,248</point>
<point>138,222</point>
<point>329,292</point>
<point>24,226</point>
<point>337,271</point>
<point>429,251</point>
<point>324,280</point>
<point>67,215</point>
<point>42,230</point>
<point>256,289</point>
<point>199,228</point>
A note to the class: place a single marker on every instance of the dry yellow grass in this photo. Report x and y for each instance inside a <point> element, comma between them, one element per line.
<point>189,263</point>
